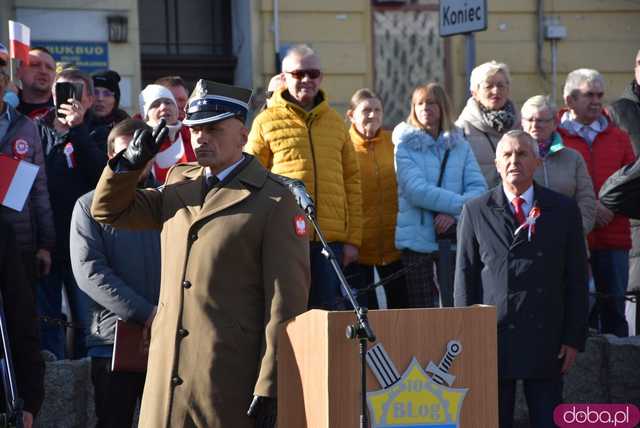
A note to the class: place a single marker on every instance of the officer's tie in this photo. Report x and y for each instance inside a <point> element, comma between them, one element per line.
<point>211,182</point>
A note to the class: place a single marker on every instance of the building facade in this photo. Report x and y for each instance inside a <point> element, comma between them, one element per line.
<point>389,46</point>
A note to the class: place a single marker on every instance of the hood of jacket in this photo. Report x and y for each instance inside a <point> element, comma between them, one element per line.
<point>420,140</point>
<point>322,104</point>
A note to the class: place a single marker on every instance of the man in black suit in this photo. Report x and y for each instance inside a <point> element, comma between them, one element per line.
<point>533,271</point>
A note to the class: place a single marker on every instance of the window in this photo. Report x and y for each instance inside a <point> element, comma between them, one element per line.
<point>185,27</point>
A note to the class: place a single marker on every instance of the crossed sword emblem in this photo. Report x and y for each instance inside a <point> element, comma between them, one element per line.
<point>385,371</point>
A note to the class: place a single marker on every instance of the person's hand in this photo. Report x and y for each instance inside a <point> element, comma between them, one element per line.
<point>604,215</point>
<point>43,258</point>
<point>27,419</point>
<point>349,254</point>
<point>146,331</point>
<point>264,410</point>
<point>443,222</point>
<point>73,113</point>
<point>569,355</point>
<point>144,146</point>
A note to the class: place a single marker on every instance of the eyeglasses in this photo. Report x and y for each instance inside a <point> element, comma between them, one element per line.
<point>537,120</point>
<point>312,73</point>
<point>100,92</point>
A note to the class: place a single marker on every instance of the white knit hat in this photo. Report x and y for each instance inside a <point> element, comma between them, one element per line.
<point>150,94</point>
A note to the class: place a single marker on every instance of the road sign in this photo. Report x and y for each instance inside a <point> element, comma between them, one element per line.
<point>462,16</point>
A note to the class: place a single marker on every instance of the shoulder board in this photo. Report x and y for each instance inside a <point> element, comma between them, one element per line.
<point>280,179</point>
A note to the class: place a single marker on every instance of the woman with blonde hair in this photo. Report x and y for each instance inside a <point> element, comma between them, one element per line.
<point>488,115</point>
<point>436,172</point>
<point>379,203</point>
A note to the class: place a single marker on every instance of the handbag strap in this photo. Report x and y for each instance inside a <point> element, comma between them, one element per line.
<point>493,146</point>
<point>443,165</point>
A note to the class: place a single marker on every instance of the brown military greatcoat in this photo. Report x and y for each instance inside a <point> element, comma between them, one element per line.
<point>233,268</point>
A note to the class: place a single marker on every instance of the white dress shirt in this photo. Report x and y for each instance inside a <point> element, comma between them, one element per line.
<point>527,196</point>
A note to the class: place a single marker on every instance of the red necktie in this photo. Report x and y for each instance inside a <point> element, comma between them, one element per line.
<point>517,207</point>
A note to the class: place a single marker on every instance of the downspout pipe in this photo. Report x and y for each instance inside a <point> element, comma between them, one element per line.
<point>540,40</point>
<point>276,35</point>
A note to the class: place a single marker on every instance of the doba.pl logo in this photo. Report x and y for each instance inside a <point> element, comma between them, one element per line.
<point>596,415</point>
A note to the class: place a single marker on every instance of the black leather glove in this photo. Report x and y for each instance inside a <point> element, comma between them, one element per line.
<point>143,147</point>
<point>264,410</point>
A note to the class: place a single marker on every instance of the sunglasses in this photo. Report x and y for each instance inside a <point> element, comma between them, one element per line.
<point>299,74</point>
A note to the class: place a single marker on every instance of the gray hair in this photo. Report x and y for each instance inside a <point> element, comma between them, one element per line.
<point>576,78</point>
<point>299,51</point>
<point>521,136</point>
<point>481,73</point>
<point>539,103</point>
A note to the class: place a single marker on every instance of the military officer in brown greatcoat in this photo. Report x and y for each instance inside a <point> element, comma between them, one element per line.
<point>235,264</point>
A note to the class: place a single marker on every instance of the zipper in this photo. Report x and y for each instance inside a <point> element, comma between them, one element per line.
<point>315,169</point>
<point>380,204</point>
<point>546,176</point>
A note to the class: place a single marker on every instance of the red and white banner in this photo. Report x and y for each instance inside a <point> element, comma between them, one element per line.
<point>19,40</point>
<point>16,180</point>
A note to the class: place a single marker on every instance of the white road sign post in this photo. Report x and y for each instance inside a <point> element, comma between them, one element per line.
<point>464,17</point>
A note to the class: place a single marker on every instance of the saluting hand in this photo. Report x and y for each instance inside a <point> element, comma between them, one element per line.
<point>144,146</point>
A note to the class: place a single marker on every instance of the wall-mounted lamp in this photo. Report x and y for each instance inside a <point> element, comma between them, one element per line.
<point>118,27</point>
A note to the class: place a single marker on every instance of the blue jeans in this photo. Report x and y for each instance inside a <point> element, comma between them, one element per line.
<point>611,275</point>
<point>326,291</point>
<point>49,301</point>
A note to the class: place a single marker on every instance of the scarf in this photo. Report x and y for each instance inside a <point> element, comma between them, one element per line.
<point>500,120</point>
<point>172,151</point>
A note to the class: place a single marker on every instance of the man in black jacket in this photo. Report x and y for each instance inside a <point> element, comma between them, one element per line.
<point>73,163</point>
<point>20,314</point>
<point>119,270</point>
<point>625,111</point>
<point>521,249</point>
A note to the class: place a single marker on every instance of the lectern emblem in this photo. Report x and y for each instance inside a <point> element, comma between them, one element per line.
<point>415,399</point>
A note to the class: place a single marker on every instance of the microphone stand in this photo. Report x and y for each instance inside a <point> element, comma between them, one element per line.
<point>361,330</point>
<point>13,417</point>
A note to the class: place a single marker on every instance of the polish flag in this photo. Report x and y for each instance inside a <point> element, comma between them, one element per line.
<point>20,40</point>
<point>16,180</point>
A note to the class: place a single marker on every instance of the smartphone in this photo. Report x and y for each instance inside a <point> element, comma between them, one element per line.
<point>66,90</point>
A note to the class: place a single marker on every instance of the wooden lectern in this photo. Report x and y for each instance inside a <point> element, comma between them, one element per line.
<point>319,369</point>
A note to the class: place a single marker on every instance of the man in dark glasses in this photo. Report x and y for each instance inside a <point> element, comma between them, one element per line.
<point>300,136</point>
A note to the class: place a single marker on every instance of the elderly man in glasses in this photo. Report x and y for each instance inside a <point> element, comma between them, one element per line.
<point>586,127</point>
<point>300,136</point>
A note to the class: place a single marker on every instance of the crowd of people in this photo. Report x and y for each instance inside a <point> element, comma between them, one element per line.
<point>440,207</point>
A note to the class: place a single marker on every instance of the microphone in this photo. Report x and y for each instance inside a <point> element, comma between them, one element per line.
<point>303,198</point>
